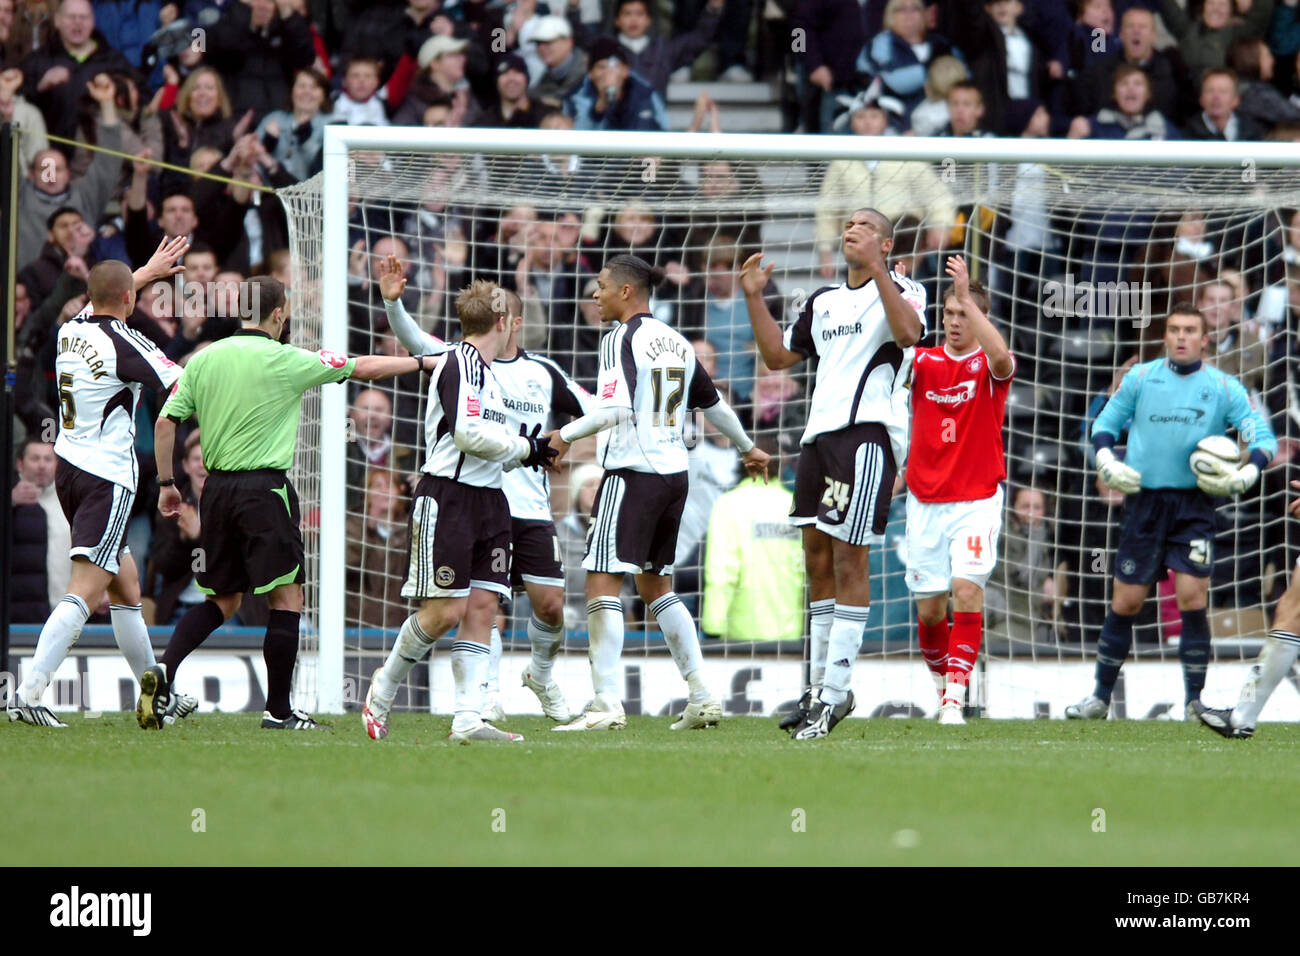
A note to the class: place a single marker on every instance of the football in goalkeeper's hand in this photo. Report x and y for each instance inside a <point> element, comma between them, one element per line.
<point>1216,456</point>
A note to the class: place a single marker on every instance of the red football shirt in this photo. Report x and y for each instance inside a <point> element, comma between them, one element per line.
<point>957,409</point>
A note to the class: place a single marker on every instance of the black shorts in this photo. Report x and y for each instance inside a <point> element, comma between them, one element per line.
<point>634,522</point>
<point>845,482</point>
<point>97,511</point>
<point>1165,528</point>
<point>460,539</point>
<point>536,557</point>
<point>250,533</point>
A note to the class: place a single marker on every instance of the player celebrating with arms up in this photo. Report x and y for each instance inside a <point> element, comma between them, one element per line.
<point>954,475</point>
<point>1168,520</point>
<point>648,377</point>
<point>861,333</point>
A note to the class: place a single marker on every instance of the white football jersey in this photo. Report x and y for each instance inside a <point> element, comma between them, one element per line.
<point>861,371</point>
<point>464,396</point>
<point>533,389</point>
<point>100,364</point>
<point>650,368</point>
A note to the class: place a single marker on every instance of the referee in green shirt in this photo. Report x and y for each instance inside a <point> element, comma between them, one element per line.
<point>246,391</point>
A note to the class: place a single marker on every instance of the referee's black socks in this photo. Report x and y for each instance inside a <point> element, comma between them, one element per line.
<point>280,650</point>
<point>192,630</point>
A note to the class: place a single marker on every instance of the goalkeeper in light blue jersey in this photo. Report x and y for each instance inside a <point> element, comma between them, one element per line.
<point>1168,519</point>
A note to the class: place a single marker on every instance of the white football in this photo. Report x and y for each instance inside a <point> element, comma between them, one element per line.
<point>1215,455</point>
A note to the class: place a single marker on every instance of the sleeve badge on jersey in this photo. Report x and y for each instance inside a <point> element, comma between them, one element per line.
<point>609,389</point>
<point>915,301</point>
<point>472,406</point>
<point>332,359</point>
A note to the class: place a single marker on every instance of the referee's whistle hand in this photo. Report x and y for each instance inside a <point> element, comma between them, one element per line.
<point>169,502</point>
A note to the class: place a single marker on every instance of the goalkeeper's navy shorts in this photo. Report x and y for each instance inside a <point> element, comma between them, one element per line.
<point>250,532</point>
<point>1165,528</point>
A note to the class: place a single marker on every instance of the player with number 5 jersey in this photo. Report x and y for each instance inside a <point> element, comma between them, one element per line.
<point>954,490</point>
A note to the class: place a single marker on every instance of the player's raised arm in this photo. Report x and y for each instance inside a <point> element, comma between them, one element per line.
<point>162,264</point>
<point>767,331</point>
<point>392,283</point>
<point>1001,362</point>
<point>904,320</point>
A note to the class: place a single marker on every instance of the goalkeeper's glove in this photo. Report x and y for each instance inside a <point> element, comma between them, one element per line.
<point>540,453</point>
<point>1116,474</point>
<point>1231,482</point>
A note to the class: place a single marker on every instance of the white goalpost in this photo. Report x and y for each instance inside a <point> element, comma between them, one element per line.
<point>1083,245</point>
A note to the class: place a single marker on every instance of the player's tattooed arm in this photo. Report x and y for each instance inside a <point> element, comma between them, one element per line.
<point>1001,363</point>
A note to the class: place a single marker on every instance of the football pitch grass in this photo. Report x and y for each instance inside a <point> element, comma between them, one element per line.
<point>877,792</point>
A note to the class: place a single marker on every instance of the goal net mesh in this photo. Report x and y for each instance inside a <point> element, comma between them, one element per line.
<point>1082,262</point>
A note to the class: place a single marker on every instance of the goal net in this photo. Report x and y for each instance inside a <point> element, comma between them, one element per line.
<point>1082,255</point>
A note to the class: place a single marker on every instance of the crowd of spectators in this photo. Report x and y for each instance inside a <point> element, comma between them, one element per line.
<point>120,103</point>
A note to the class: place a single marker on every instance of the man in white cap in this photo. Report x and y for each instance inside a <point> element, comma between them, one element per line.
<point>566,66</point>
<point>442,74</point>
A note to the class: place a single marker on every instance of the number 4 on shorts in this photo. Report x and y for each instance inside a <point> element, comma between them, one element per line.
<point>974,546</point>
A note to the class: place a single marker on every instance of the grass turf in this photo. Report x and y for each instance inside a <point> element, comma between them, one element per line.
<point>104,792</point>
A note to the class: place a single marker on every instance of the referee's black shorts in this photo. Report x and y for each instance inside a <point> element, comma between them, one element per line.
<point>249,532</point>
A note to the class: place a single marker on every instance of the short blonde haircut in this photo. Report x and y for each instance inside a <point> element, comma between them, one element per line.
<point>479,305</point>
<point>945,72</point>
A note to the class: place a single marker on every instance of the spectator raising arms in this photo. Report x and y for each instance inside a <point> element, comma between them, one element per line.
<point>1205,41</point>
<point>50,186</point>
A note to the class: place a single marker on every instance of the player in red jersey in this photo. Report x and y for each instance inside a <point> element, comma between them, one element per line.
<point>954,474</point>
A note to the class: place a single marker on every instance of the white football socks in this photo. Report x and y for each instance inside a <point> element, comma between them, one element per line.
<point>545,640</point>
<point>469,662</point>
<point>684,643</point>
<point>491,679</point>
<point>1273,664</point>
<point>605,648</point>
<point>61,630</point>
<point>820,615</point>
<point>845,640</point>
<point>132,637</point>
<point>411,647</point>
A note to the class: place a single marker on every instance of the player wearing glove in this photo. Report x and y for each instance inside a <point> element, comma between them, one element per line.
<point>460,519</point>
<point>1172,403</point>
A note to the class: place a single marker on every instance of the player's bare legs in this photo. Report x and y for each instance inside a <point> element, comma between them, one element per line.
<point>702,708</point>
<point>545,634</point>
